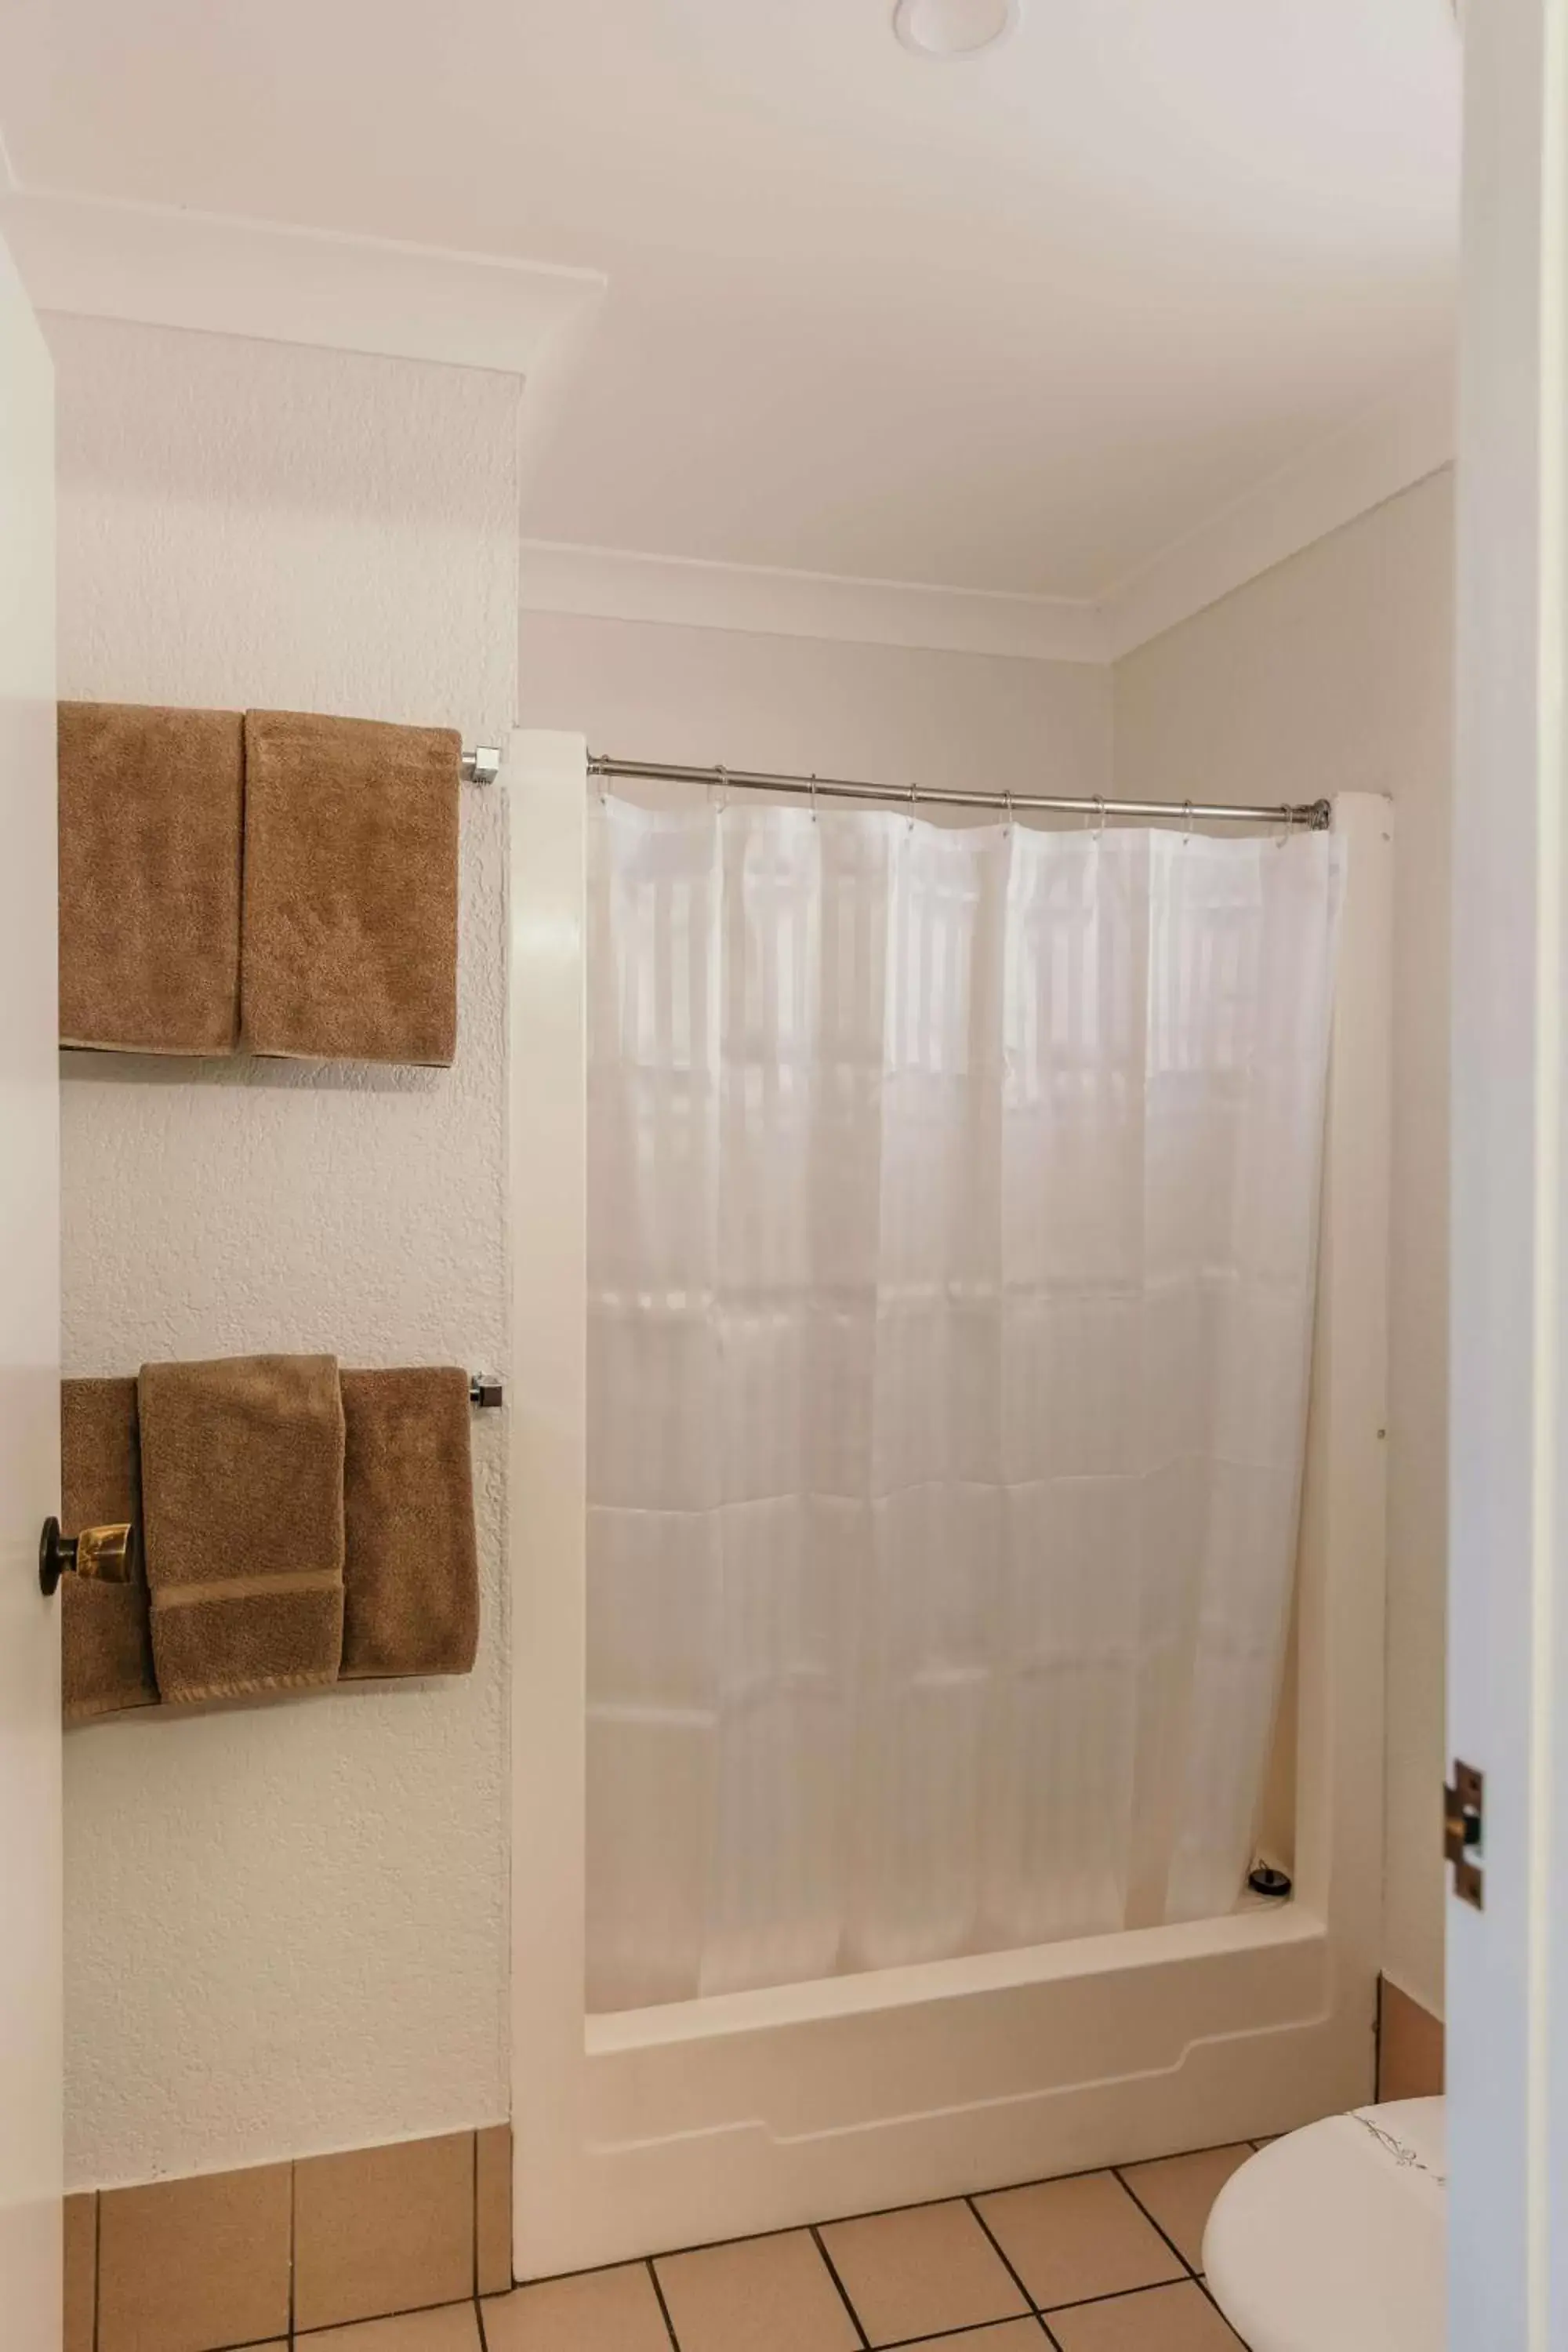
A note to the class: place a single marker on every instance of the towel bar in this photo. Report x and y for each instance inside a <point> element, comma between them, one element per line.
<point>481,767</point>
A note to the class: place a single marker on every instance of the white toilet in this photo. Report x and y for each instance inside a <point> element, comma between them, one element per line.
<point>1332,2239</point>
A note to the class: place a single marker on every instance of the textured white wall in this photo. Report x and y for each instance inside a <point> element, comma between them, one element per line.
<point>285,1926</point>
<point>878,713</point>
<point>1334,673</point>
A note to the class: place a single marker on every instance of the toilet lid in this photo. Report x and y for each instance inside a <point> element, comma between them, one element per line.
<point>1332,2240</point>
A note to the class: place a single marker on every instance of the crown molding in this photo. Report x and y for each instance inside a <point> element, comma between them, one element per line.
<point>1386,450</point>
<point>612,584</point>
<point>163,266</point>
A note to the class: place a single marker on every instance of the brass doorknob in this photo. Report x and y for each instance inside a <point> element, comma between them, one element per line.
<point>108,1555</point>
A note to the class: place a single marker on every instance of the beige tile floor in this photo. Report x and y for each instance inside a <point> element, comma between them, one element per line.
<point>1104,2261</point>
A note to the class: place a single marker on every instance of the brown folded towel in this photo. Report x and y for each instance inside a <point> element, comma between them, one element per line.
<point>411,1599</point>
<point>242,1485</point>
<point>350,929</point>
<point>149,867</point>
<point>106,1643</point>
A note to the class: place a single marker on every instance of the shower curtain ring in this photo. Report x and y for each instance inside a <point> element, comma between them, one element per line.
<point>1187,825</point>
<point>1007,805</point>
<point>914,796</point>
<point>724,776</point>
<point>814,796</point>
<point>1099,818</point>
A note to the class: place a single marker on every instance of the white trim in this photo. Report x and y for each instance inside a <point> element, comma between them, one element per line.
<point>1382,452</point>
<point>615,585</point>
<point>1385,451</point>
<point>1507,1981</point>
<point>164,267</point>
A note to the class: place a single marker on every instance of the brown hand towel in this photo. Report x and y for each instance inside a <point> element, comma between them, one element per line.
<point>106,1643</point>
<point>242,1485</point>
<point>148,865</point>
<point>350,929</point>
<point>411,1599</point>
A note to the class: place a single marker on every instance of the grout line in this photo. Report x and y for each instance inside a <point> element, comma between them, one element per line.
<point>672,2253</point>
<point>843,2290</point>
<point>663,2307</point>
<point>1119,2294</point>
<point>903,2344</point>
<point>1187,2270</point>
<point>369,2318</point>
<point>1203,2289</point>
<point>1033,2311</point>
<point>963,2333</point>
<point>876,2212</point>
<point>1001,2255</point>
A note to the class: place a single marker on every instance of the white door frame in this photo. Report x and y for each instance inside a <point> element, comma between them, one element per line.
<point>1508,1610</point>
<point>30,1990</point>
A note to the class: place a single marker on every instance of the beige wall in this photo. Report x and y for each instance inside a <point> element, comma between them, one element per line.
<point>642,690</point>
<point>1333,673</point>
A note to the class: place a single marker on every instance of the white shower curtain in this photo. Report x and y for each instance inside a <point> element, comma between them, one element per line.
<point>951,1221</point>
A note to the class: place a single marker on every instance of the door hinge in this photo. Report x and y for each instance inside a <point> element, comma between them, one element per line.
<point>1464,1815</point>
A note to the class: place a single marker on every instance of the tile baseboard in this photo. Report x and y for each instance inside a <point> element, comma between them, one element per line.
<point>379,2230</point>
<point>1410,2046</point>
<point>326,2241</point>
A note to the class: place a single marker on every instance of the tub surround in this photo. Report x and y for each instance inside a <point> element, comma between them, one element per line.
<point>760,2109</point>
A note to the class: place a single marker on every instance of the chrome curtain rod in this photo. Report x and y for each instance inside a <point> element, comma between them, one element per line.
<point>1312,817</point>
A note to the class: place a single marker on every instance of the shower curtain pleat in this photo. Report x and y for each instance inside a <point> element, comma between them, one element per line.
<point>951,1217</point>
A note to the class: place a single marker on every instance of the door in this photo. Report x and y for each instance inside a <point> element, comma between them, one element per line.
<point>30,1346</point>
<point>1508,1635</point>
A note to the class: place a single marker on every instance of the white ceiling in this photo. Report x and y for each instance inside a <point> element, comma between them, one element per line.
<point>1017,323</point>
